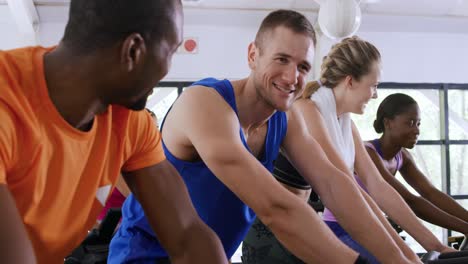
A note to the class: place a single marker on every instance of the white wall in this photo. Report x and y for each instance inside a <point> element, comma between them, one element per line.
<point>430,55</point>
<point>422,57</point>
<point>221,53</point>
<point>9,37</point>
<point>435,49</point>
<point>407,56</point>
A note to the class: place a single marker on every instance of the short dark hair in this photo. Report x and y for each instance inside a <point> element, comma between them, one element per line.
<point>393,105</point>
<point>290,19</point>
<point>96,24</point>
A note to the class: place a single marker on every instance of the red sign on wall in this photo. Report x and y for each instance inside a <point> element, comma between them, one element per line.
<point>189,46</point>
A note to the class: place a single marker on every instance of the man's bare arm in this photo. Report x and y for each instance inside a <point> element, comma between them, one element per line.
<point>166,202</point>
<point>213,129</point>
<point>15,244</point>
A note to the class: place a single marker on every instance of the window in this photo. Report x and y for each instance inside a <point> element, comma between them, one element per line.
<point>458,113</point>
<point>428,101</point>
<point>164,95</point>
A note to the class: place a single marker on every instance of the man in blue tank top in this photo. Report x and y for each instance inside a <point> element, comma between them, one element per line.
<point>223,136</point>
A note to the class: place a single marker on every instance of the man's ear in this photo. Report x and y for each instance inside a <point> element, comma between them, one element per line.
<point>252,55</point>
<point>133,51</point>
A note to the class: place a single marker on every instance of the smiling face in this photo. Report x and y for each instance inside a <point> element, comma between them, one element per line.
<point>403,129</point>
<point>352,67</point>
<point>280,65</point>
<point>365,89</point>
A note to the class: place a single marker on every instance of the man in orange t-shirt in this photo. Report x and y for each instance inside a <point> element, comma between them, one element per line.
<point>71,123</point>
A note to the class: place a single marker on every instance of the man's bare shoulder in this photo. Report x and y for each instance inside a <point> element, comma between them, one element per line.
<point>295,113</point>
<point>306,106</point>
<point>199,90</point>
<point>201,108</point>
<point>199,98</point>
<point>200,123</point>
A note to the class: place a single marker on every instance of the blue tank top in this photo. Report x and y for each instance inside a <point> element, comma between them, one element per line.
<point>217,206</point>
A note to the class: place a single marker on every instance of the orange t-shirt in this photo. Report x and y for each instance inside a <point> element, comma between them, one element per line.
<point>59,176</point>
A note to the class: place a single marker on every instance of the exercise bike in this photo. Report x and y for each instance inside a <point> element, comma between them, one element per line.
<point>95,247</point>
<point>434,257</point>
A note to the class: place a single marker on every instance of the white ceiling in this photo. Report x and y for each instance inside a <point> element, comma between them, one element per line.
<point>448,16</point>
<point>436,8</point>
<point>388,7</point>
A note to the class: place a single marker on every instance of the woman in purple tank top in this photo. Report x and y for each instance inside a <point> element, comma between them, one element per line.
<point>398,118</point>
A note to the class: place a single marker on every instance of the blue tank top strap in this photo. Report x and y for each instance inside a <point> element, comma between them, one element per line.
<point>224,88</point>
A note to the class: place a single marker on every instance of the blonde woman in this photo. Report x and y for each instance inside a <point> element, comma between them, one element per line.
<point>348,81</point>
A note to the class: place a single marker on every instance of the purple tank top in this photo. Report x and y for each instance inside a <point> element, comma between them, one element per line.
<point>375,145</point>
